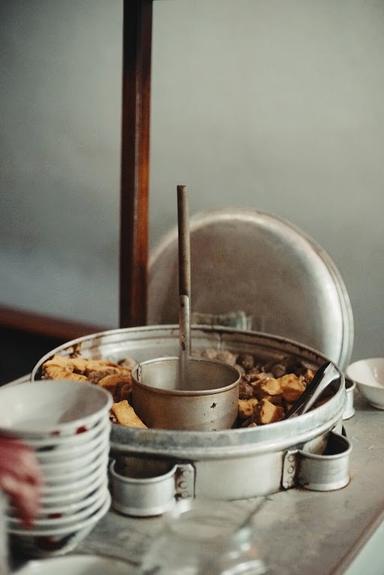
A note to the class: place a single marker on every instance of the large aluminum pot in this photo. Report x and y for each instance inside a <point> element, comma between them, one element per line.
<point>234,463</point>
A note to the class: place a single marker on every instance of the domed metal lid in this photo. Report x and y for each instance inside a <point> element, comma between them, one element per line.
<point>256,266</point>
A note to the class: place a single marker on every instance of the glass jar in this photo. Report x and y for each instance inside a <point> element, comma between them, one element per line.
<point>203,538</point>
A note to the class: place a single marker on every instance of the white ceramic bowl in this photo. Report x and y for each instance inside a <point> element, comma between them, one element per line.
<point>78,475</point>
<point>53,446</point>
<point>60,540</point>
<point>77,565</point>
<point>369,377</point>
<point>52,408</point>
<point>49,491</point>
<point>59,456</point>
<point>67,508</point>
<point>53,521</point>
<point>60,499</point>
<point>71,466</point>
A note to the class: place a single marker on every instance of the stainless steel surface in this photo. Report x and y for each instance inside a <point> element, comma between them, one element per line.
<point>263,266</point>
<point>204,398</point>
<point>221,459</point>
<point>299,531</point>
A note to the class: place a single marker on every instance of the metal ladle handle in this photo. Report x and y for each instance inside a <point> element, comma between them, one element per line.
<point>184,276</point>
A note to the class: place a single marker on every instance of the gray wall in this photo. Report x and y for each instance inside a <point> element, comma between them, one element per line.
<point>60,104</point>
<point>271,104</point>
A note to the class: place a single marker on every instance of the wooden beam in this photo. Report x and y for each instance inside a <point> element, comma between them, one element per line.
<point>137,43</point>
<point>39,324</point>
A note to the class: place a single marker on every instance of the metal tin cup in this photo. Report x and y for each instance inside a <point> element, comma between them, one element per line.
<point>207,401</point>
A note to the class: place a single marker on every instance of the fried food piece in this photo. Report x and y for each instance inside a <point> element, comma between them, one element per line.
<point>246,408</point>
<point>77,377</point>
<point>267,412</point>
<point>57,372</point>
<point>246,360</point>
<point>95,376</point>
<point>99,365</point>
<point>111,381</point>
<point>292,387</point>
<point>58,360</point>
<point>220,355</point>
<point>246,390</point>
<point>126,415</point>
<point>114,384</point>
<point>255,376</point>
<point>270,386</point>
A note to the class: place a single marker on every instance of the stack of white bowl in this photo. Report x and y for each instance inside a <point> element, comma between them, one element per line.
<point>67,424</point>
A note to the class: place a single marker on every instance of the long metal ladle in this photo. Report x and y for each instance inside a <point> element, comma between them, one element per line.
<point>184,282</point>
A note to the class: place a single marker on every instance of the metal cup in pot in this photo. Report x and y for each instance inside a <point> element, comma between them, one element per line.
<point>204,399</point>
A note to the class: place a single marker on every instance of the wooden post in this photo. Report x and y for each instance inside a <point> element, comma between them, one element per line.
<point>137,43</point>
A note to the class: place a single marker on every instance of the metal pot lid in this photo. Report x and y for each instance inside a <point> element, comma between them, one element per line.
<point>252,265</point>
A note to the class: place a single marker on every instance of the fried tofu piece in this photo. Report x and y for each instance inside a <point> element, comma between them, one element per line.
<point>126,415</point>
<point>111,381</point>
<point>292,387</point>
<point>267,412</point>
<point>246,407</point>
<point>114,384</point>
<point>271,386</point>
<point>57,360</point>
<point>58,372</point>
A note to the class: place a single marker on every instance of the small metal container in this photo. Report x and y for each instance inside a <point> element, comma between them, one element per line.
<point>206,401</point>
<point>144,487</point>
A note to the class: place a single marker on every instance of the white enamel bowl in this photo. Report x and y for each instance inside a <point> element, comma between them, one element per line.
<point>72,466</point>
<point>59,456</point>
<point>52,490</point>
<point>57,541</point>
<point>67,508</point>
<point>368,374</point>
<point>52,408</point>
<point>69,519</point>
<point>78,475</point>
<point>60,499</point>
<point>77,565</point>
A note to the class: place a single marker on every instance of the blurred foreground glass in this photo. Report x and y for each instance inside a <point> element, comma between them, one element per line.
<point>203,538</point>
<point>3,537</point>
